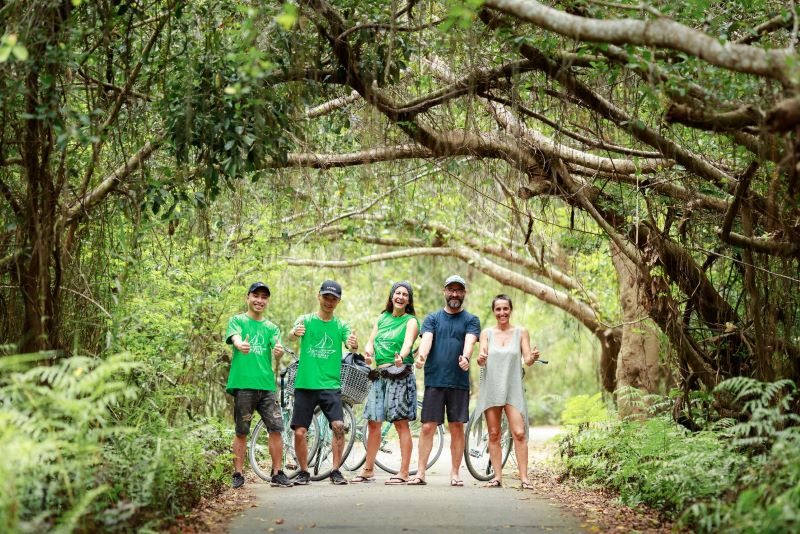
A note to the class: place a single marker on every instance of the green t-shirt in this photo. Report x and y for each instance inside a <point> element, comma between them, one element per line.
<point>320,352</point>
<point>254,369</point>
<point>390,336</point>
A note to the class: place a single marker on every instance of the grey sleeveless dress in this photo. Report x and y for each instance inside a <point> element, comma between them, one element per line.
<point>501,377</point>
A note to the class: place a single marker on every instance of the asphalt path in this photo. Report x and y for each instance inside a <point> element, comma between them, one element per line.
<point>437,507</point>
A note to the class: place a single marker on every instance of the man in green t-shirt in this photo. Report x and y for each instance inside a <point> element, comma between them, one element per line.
<point>251,381</point>
<point>317,382</point>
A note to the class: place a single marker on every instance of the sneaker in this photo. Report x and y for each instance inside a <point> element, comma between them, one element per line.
<point>280,480</point>
<point>337,478</point>
<point>303,478</point>
<point>238,480</point>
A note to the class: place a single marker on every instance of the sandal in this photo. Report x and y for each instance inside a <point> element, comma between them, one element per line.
<point>416,481</point>
<point>526,486</point>
<point>493,484</point>
<point>456,483</point>
<point>396,481</point>
<point>361,479</point>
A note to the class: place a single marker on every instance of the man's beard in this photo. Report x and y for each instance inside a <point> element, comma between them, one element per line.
<point>455,303</point>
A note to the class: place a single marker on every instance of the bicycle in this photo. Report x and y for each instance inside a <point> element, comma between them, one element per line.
<point>319,437</point>
<point>476,449</point>
<point>388,457</point>
<point>258,453</point>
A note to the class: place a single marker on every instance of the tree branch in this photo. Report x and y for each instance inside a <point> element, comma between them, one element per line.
<point>80,207</point>
<point>331,105</point>
<point>661,32</point>
<point>701,119</point>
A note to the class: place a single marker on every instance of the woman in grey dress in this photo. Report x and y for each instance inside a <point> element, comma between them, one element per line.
<point>503,348</point>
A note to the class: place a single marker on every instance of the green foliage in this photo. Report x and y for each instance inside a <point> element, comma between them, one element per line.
<point>584,409</point>
<point>77,454</point>
<point>738,476</point>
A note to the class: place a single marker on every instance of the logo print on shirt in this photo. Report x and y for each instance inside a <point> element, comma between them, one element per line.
<point>257,344</point>
<point>324,348</point>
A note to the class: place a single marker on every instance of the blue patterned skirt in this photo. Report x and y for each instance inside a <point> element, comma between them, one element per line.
<point>392,400</point>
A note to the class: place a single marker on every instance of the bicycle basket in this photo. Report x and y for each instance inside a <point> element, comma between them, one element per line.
<point>355,383</point>
<point>291,374</point>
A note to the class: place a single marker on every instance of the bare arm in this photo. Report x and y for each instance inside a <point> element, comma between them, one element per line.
<point>412,330</point>
<point>528,356</point>
<point>369,348</point>
<point>483,351</point>
<point>424,349</point>
<point>466,354</point>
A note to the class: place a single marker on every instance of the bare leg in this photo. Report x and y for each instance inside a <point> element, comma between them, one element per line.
<point>373,442</point>
<point>404,435</point>
<point>337,447</point>
<point>456,448</point>
<point>239,448</point>
<point>516,423</point>
<point>425,445</point>
<point>300,447</point>
<point>492,416</point>
<point>276,450</point>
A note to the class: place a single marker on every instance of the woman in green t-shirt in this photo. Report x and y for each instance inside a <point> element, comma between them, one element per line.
<point>393,396</point>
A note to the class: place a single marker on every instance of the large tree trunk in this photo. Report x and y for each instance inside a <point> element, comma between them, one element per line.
<point>638,360</point>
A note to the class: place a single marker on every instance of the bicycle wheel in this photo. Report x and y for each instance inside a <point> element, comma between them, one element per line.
<point>258,453</point>
<point>321,464</point>
<point>358,453</point>
<point>476,449</point>
<point>388,457</point>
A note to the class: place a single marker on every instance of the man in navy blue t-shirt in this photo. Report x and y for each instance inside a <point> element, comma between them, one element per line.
<point>448,336</point>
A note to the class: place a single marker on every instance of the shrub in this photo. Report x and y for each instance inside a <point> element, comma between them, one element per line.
<point>738,475</point>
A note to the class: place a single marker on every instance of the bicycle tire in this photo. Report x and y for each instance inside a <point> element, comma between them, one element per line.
<point>322,464</point>
<point>388,456</point>
<point>358,453</point>
<point>258,450</point>
<point>476,449</point>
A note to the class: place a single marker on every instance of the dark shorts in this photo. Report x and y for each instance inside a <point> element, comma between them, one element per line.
<point>246,401</point>
<point>305,400</point>
<point>456,401</point>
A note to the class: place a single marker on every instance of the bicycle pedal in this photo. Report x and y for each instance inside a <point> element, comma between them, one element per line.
<point>291,466</point>
<point>475,453</point>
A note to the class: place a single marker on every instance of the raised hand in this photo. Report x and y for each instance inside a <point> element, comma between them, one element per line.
<point>277,350</point>
<point>352,341</point>
<point>244,346</point>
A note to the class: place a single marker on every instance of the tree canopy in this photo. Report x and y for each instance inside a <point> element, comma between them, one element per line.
<point>672,126</point>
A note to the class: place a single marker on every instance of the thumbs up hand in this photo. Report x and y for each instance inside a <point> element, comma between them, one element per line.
<point>398,361</point>
<point>352,341</point>
<point>244,346</point>
<point>482,357</point>
<point>277,350</point>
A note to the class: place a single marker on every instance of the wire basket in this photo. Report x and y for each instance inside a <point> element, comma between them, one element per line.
<point>355,383</point>
<point>288,383</point>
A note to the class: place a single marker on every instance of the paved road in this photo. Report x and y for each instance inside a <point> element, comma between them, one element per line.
<point>374,507</point>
